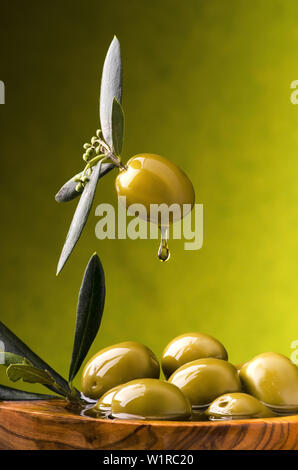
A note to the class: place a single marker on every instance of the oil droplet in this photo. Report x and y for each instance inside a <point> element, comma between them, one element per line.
<point>163,251</point>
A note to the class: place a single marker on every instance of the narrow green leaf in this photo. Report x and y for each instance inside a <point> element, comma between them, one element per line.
<point>89,313</point>
<point>14,345</point>
<point>12,394</point>
<point>111,87</point>
<point>68,191</point>
<point>80,217</point>
<point>117,126</point>
<point>7,358</point>
<point>29,374</point>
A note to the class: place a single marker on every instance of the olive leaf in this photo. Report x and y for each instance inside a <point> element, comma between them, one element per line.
<point>30,374</point>
<point>68,191</point>
<point>111,87</point>
<point>80,217</point>
<point>12,394</point>
<point>15,346</point>
<point>7,358</point>
<point>89,313</point>
<point>117,126</point>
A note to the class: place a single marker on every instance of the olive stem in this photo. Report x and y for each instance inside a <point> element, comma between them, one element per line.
<point>72,395</point>
<point>116,160</point>
<point>93,162</point>
<point>107,154</point>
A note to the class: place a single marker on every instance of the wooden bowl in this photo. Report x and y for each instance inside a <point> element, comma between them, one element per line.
<point>50,425</point>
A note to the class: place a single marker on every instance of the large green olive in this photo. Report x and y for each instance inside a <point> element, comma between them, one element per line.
<point>273,379</point>
<point>237,406</point>
<point>150,399</point>
<point>116,365</point>
<point>204,380</point>
<point>189,347</point>
<point>152,179</point>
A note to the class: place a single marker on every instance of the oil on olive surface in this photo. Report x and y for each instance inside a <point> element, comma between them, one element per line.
<point>206,84</point>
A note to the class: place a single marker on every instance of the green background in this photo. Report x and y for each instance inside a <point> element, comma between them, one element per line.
<point>206,84</point>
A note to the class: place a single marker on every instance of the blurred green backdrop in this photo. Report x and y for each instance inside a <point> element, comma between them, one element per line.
<point>207,84</point>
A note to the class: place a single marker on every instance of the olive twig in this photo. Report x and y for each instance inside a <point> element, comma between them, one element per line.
<point>71,396</point>
<point>92,162</point>
<point>109,154</point>
<point>92,157</point>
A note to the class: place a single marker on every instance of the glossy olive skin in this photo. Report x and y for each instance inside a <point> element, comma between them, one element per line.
<point>116,365</point>
<point>150,399</point>
<point>152,179</point>
<point>103,405</point>
<point>237,406</point>
<point>189,347</point>
<point>273,379</point>
<point>204,380</point>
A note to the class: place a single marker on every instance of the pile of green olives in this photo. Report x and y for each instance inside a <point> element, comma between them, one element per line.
<point>123,382</point>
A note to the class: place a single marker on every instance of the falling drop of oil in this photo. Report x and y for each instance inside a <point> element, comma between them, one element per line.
<point>163,251</point>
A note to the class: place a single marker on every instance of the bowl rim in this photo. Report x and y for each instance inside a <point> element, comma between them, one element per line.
<point>59,407</point>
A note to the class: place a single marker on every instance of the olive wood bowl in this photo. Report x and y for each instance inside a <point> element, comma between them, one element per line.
<point>50,425</point>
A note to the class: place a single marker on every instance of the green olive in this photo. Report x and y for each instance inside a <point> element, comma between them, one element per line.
<point>116,365</point>
<point>273,379</point>
<point>151,179</point>
<point>189,347</point>
<point>204,380</point>
<point>150,399</point>
<point>237,406</point>
<point>103,405</point>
